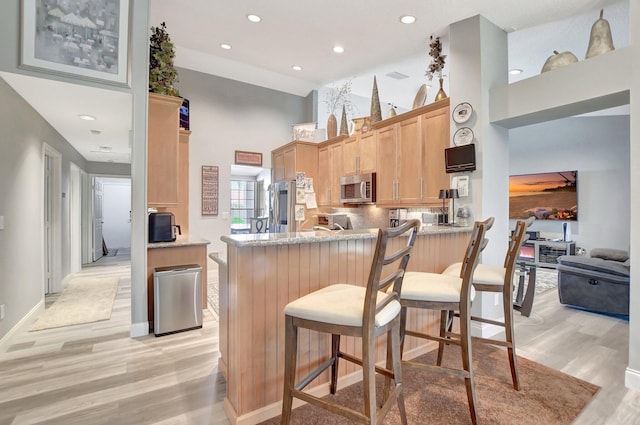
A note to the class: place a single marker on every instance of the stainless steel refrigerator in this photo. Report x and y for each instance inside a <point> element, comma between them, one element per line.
<point>282,203</point>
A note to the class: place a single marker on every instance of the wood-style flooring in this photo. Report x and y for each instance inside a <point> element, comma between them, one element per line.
<point>96,374</point>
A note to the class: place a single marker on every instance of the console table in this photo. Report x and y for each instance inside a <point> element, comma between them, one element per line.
<point>545,253</point>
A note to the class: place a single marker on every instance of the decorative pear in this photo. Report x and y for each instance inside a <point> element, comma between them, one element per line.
<point>376,113</point>
<point>558,60</point>
<point>600,40</point>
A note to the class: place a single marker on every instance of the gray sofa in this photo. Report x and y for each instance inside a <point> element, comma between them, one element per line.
<point>599,282</point>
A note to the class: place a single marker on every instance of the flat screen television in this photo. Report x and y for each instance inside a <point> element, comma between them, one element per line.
<point>184,114</point>
<point>547,196</point>
<point>460,158</point>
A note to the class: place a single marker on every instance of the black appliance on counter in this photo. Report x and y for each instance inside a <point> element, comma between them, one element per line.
<point>162,227</point>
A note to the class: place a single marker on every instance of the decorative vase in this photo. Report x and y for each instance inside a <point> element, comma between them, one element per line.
<point>332,127</point>
<point>441,94</point>
<point>344,125</point>
<point>376,113</point>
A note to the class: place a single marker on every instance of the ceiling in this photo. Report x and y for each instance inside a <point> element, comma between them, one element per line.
<point>303,32</point>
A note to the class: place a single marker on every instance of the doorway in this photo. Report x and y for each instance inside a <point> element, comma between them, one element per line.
<point>52,240</point>
<point>249,196</point>
<point>112,203</point>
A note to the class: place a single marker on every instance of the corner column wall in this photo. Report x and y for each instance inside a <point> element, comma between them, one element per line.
<point>478,61</point>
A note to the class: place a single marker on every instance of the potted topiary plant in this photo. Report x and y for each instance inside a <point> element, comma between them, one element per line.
<point>162,73</point>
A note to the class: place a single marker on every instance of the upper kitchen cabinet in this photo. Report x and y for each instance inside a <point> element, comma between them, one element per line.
<point>435,135</point>
<point>294,157</point>
<point>412,146</point>
<point>331,168</point>
<point>359,154</point>
<point>163,150</point>
<point>398,177</point>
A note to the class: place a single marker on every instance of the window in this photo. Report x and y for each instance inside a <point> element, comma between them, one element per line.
<point>243,203</point>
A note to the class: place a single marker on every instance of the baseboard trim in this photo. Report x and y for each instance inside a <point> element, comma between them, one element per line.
<point>485,330</point>
<point>139,329</point>
<point>28,319</point>
<point>632,379</point>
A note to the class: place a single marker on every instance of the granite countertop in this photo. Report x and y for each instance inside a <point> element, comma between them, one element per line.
<point>181,240</point>
<point>267,239</point>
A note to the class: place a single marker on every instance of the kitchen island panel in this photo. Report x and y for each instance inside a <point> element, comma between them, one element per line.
<point>263,278</point>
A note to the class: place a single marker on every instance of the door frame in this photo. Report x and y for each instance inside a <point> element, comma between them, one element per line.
<point>55,204</point>
<point>75,218</point>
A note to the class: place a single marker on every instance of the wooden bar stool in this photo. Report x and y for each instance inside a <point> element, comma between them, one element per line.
<point>447,293</point>
<point>364,312</point>
<point>499,279</point>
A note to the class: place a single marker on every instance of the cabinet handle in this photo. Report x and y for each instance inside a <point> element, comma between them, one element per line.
<point>358,164</point>
<point>421,188</point>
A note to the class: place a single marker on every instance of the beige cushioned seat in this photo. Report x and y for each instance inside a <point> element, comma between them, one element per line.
<point>483,274</point>
<point>435,287</point>
<point>340,304</point>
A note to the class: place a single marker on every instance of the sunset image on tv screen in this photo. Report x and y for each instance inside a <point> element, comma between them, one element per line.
<point>547,196</point>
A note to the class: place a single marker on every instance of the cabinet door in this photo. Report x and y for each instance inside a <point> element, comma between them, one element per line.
<point>367,152</point>
<point>351,151</point>
<point>336,162</point>
<point>162,152</point>
<point>290,164</point>
<point>386,170</point>
<point>409,152</point>
<point>322,185</point>
<point>278,166</point>
<point>435,130</point>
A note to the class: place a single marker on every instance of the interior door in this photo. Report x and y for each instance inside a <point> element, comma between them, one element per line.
<point>48,223</point>
<point>97,219</point>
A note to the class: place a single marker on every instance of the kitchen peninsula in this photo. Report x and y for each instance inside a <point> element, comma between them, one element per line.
<point>266,271</point>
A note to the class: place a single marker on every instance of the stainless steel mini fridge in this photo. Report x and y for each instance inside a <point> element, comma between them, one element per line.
<point>177,299</point>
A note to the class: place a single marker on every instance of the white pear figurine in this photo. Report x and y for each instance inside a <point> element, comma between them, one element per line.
<point>600,40</point>
<point>558,60</point>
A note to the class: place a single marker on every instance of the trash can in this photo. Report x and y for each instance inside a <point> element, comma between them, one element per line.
<point>177,299</point>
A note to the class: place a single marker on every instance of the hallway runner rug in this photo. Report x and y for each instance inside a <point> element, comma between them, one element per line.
<point>83,300</point>
<point>547,396</point>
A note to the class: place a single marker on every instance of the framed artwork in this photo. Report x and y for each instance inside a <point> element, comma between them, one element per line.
<point>87,40</point>
<point>248,158</point>
<point>304,132</point>
<point>209,190</point>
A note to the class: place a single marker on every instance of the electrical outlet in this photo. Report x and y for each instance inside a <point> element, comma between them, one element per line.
<point>1,311</point>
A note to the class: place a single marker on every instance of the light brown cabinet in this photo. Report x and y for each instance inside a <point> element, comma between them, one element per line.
<point>435,137</point>
<point>163,150</point>
<point>359,154</point>
<point>412,147</point>
<point>330,169</point>
<point>294,157</point>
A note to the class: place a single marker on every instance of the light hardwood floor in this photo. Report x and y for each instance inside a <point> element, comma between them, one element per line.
<point>96,374</point>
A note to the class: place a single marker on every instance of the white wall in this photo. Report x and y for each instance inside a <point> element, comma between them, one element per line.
<point>116,202</point>
<point>598,147</point>
<point>225,116</point>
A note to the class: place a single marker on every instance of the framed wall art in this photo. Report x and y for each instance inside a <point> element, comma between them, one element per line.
<point>248,158</point>
<point>209,190</point>
<point>87,40</point>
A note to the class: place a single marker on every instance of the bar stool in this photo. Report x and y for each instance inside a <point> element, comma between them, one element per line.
<point>447,293</point>
<point>364,312</point>
<point>488,278</point>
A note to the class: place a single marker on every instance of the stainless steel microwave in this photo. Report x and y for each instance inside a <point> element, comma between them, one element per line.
<point>358,189</point>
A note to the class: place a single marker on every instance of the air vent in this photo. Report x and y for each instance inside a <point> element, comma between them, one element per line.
<point>397,75</point>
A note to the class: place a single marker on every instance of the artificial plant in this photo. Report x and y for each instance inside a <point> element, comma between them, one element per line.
<point>162,73</point>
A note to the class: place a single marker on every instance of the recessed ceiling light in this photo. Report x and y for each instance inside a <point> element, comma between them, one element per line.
<point>338,49</point>
<point>254,18</point>
<point>297,67</point>
<point>225,46</point>
<point>515,71</point>
<point>407,19</point>
<point>86,117</point>
<point>96,132</point>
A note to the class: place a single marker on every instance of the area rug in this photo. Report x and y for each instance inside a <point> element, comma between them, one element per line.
<point>212,295</point>
<point>546,396</point>
<point>546,279</point>
<point>83,300</point>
